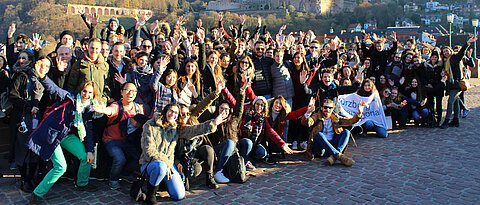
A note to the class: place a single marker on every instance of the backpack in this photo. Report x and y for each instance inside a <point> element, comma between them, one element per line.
<point>235,169</point>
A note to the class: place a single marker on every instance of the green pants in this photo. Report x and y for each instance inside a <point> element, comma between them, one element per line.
<point>72,144</point>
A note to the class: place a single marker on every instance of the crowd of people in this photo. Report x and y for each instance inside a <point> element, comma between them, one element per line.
<point>172,103</point>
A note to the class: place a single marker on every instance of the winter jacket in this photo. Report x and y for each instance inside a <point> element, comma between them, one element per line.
<point>456,66</point>
<point>317,119</point>
<point>379,58</point>
<point>278,124</point>
<point>162,95</point>
<point>158,142</point>
<point>84,70</point>
<point>58,123</point>
<point>262,83</point>
<point>282,82</point>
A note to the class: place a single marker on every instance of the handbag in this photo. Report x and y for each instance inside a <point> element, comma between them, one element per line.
<point>235,169</point>
<point>464,85</point>
<point>136,191</point>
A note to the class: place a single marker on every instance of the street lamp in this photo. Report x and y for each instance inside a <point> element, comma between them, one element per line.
<point>450,17</point>
<point>475,25</point>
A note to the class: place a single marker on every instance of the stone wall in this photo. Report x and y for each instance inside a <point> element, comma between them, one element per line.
<point>104,10</point>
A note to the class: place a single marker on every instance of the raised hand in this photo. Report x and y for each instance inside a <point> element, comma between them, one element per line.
<point>61,64</point>
<point>471,40</point>
<point>180,21</point>
<point>163,63</point>
<point>303,77</point>
<point>39,71</point>
<point>359,77</point>
<point>99,107</point>
<point>94,19</point>
<point>154,26</point>
<point>192,89</point>
<point>199,23</point>
<point>220,16</point>
<point>361,106</point>
<point>11,30</point>
<point>35,41</point>
<point>259,21</point>
<point>393,35</point>
<point>222,117</point>
<point>175,44</point>
<point>243,18</point>
<point>120,79</point>
<point>283,27</point>
<point>311,106</point>
<point>220,86</point>
<point>200,35</point>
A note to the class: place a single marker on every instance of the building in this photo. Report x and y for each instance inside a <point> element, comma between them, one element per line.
<point>404,22</point>
<point>410,7</point>
<point>435,6</point>
<point>311,6</point>
<point>356,27</point>
<point>370,25</point>
<point>431,19</point>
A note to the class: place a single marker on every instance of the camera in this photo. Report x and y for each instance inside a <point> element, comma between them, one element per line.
<point>22,128</point>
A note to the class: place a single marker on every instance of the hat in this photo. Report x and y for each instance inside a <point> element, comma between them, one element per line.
<point>262,99</point>
<point>67,32</point>
<point>113,19</point>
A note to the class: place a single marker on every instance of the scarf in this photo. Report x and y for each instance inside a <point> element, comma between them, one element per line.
<point>448,69</point>
<point>254,123</point>
<point>275,114</point>
<point>78,120</point>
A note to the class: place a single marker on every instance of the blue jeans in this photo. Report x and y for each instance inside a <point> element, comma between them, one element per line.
<point>245,147</point>
<point>119,150</point>
<point>223,151</point>
<point>453,104</point>
<point>370,126</point>
<point>423,113</point>
<point>332,147</point>
<point>157,171</point>
<point>287,122</point>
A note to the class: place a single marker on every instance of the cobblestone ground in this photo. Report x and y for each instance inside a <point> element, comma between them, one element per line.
<point>414,166</point>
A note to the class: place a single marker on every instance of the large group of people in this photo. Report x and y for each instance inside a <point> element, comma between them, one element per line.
<point>171,102</point>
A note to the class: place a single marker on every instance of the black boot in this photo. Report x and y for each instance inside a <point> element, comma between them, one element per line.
<point>27,186</point>
<point>34,200</point>
<point>454,123</point>
<point>151,194</point>
<point>211,184</point>
<point>444,124</point>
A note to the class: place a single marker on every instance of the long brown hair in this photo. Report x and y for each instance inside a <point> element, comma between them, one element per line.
<point>217,70</point>
<point>361,91</point>
<point>196,77</point>
<point>285,106</point>
<point>304,65</point>
<point>251,67</point>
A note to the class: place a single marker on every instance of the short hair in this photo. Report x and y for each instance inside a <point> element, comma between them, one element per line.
<point>278,50</point>
<point>94,40</point>
<point>329,101</point>
<point>259,42</point>
<point>315,41</point>
<point>411,40</point>
<point>141,54</point>
<point>328,71</point>
<point>127,83</point>
<point>118,44</point>
<point>22,37</point>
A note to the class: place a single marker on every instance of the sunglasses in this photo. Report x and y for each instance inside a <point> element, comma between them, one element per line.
<point>22,57</point>
<point>327,108</point>
<point>145,46</point>
<point>314,47</point>
<point>260,49</point>
<point>243,62</point>
<point>219,48</point>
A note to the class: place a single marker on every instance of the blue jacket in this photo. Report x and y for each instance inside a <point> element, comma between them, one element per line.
<point>58,123</point>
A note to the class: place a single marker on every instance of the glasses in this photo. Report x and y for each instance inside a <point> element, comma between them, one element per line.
<point>130,91</point>
<point>146,46</point>
<point>260,49</point>
<point>314,47</point>
<point>327,108</point>
<point>243,62</point>
<point>386,92</point>
<point>22,57</point>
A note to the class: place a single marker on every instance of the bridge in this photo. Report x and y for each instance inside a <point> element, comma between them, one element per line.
<point>104,10</point>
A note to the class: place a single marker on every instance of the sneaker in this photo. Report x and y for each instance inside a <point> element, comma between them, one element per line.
<point>331,160</point>
<point>13,166</point>
<point>114,185</point>
<point>303,145</point>
<point>249,166</point>
<point>270,160</point>
<point>294,145</point>
<point>465,113</point>
<point>220,178</point>
<point>88,188</point>
<point>345,160</point>
<point>34,200</point>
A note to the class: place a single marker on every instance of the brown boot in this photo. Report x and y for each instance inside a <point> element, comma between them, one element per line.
<point>331,160</point>
<point>345,160</point>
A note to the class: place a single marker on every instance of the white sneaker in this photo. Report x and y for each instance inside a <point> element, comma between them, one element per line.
<point>220,178</point>
<point>294,145</point>
<point>303,145</point>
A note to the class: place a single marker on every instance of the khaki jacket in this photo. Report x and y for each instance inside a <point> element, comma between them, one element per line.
<point>337,123</point>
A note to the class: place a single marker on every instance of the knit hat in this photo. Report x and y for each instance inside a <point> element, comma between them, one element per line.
<point>260,98</point>
<point>113,19</point>
<point>67,32</point>
<point>435,53</point>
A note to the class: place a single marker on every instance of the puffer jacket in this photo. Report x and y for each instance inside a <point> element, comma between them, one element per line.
<point>158,141</point>
<point>282,81</point>
<point>98,72</point>
<point>317,120</point>
<point>262,83</point>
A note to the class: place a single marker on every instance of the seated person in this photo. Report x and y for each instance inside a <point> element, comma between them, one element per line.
<point>328,133</point>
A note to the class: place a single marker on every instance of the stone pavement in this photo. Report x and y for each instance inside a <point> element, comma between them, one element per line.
<point>411,166</point>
